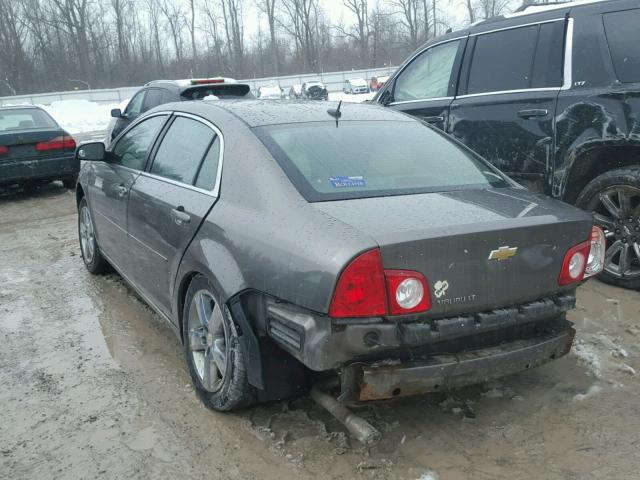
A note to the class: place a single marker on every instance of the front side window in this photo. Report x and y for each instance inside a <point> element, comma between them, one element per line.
<point>503,60</point>
<point>135,104</point>
<point>182,149</point>
<point>361,159</point>
<point>132,149</point>
<point>428,76</point>
<point>623,37</point>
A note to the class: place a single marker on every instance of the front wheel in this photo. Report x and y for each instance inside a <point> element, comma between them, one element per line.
<point>93,259</point>
<point>614,199</point>
<point>212,347</point>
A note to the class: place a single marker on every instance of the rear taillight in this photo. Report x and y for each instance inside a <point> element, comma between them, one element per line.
<point>59,143</point>
<point>4,150</point>
<point>206,81</point>
<point>584,260</point>
<point>365,289</point>
<point>407,291</point>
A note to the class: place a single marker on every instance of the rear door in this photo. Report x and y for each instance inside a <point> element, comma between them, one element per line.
<point>109,184</point>
<point>169,201</point>
<point>506,101</point>
<point>426,85</point>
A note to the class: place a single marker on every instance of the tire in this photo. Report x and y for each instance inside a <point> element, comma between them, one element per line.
<point>208,333</point>
<point>614,199</point>
<point>93,259</point>
<point>70,182</point>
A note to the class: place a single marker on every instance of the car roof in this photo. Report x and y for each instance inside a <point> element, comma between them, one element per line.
<point>257,113</point>
<point>20,107</point>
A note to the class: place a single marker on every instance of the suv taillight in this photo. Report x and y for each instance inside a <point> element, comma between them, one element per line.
<point>365,289</point>
<point>4,150</point>
<point>584,260</point>
<point>59,143</point>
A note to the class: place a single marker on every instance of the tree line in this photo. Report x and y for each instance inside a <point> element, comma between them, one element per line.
<point>52,45</point>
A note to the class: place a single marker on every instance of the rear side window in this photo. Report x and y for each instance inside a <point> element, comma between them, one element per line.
<point>428,76</point>
<point>503,60</point>
<point>623,36</point>
<point>152,99</point>
<point>25,119</point>
<point>209,169</point>
<point>182,149</point>
<point>361,159</point>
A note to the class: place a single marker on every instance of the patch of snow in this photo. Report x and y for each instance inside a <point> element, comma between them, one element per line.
<point>602,355</point>
<point>79,116</point>
<point>429,475</point>
<point>357,98</point>
<point>593,390</point>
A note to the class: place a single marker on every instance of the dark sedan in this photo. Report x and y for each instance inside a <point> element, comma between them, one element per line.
<point>284,238</point>
<point>34,148</point>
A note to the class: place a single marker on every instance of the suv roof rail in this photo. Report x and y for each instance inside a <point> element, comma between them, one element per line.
<point>525,6</point>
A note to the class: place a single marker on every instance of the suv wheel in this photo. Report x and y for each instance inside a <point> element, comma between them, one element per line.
<point>614,199</point>
<point>212,347</point>
<point>93,259</point>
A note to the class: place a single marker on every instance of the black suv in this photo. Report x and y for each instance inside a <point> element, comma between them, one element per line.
<point>159,92</point>
<point>551,96</point>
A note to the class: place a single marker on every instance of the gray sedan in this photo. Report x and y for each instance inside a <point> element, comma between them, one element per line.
<point>281,240</point>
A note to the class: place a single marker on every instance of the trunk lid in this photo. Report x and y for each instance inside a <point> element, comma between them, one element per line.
<point>22,143</point>
<point>449,237</point>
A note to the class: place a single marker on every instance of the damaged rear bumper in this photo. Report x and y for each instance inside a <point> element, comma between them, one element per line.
<point>384,380</point>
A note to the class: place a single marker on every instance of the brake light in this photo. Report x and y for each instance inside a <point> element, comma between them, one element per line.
<point>206,81</point>
<point>59,143</point>
<point>365,289</point>
<point>4,150</point>
<point>360,289</point>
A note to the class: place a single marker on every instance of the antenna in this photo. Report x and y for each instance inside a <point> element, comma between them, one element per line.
<point>335,112</point>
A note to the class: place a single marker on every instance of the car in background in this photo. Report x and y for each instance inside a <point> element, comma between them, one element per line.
<point>158,92</point>
<point>314,91</point>
<point>295,91</point>
<point>549,95</point>
<point>270,92</point>
<point>376,83</point>
<point>355,85</point>
<point>429,269</point>
<point>34,148</point>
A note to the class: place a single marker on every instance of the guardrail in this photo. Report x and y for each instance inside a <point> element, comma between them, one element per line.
<point>333,80</point>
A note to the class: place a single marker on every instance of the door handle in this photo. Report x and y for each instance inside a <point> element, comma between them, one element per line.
<point>180,216</point>
<point>438,118</point>
<point>122,190</point>
<point>534,112</point>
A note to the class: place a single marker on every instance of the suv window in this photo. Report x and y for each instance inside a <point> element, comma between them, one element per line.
<point>180,153</point>
<point>132,149</point>
<point>623,35</point>
<point>153,98</point>
<point>428,75</point>
<point>135,104</point>
<point>503,60</point>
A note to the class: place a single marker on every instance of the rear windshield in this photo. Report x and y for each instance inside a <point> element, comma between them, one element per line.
<point>25,119</point>
<point>360,159</point>
<point>205,92</point>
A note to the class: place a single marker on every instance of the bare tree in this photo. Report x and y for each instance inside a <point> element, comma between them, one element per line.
<point>269,8</point>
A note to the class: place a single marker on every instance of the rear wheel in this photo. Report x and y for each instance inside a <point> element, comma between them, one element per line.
<point>614,199</point>
<point>212,348</point>
<point>93,259</point>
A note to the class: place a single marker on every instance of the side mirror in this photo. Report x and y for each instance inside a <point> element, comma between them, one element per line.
<point>116,113</point>
<point>93,151</point>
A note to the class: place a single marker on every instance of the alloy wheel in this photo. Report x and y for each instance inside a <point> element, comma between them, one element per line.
<point>617,210</point>
<point>208,340</point>
<point>87,239</point>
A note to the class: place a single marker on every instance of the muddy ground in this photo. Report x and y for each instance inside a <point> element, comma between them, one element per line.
<point>93,385</point>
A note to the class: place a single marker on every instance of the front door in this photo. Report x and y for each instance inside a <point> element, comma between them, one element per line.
<point>506,105</point>
<point>110,183</point>
<point>168,203</point>
<point>426,85</point>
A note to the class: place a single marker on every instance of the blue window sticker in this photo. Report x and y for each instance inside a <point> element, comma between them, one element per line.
<point>346,182</point>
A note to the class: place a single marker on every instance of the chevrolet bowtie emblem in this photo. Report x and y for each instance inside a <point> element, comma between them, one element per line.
<point>503,253</point>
